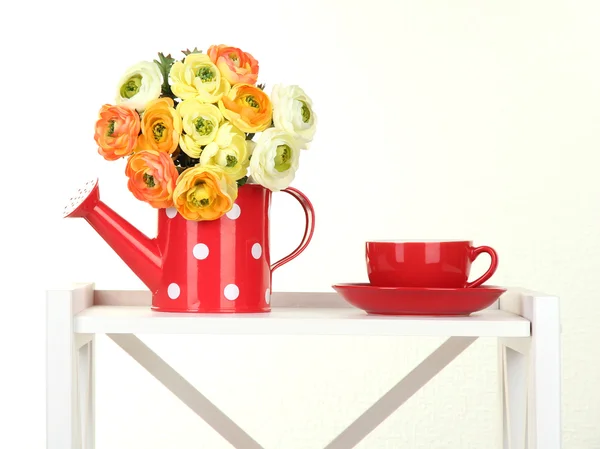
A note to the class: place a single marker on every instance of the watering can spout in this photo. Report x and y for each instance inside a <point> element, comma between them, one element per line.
<point>138,251</point>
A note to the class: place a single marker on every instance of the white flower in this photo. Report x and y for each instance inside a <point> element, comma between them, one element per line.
<point>275,159</point>
<point>293,113</point>
<point>140,84</point>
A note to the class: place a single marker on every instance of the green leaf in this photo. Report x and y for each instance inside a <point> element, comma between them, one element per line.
<point>165,63</point>
<point>249,136</point>
<point>189,52</point>
<point>242,181</point>
<point>261,86</point>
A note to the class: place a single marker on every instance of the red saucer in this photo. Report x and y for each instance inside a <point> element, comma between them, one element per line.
<point>419,301</point>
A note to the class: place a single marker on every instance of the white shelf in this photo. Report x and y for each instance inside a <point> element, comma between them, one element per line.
<point>529,365</point>
<point>296,321</point>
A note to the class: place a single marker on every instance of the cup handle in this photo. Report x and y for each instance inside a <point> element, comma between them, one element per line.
<point>309,229</point>
<point>491,270</point>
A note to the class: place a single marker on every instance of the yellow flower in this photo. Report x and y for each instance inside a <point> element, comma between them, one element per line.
<point>204,193</point>
<point>200,125</point>
<point>247,107</point>
<point>197,77</point>
<point>161,127</point>
<point>229,151</point>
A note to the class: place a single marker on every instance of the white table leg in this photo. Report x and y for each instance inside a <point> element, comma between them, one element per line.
<point>86,392</point>
<point>532,415</point>
<point>544,399</point>
<point>513,386</point>
<point>64,367</point>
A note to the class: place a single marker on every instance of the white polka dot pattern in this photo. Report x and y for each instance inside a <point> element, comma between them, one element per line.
<point>173,291</point>
<point>234,213</point>
<point>231,292</point>
<point>171,212</point>
<point>200,251</point>
<point>256,251</point>
<point>267,296</point>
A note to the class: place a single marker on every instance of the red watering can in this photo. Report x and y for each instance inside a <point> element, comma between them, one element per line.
<point>198,266</point>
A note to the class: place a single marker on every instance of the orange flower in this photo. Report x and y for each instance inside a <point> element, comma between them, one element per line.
<point>204,192</point>
<point>234,64</point>
<point>247,107</point>
<point>161,126</point>
<point>116,131</point>
<point>152,176</point>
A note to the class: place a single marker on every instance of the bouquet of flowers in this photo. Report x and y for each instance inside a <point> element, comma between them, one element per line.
<point>188,127</point>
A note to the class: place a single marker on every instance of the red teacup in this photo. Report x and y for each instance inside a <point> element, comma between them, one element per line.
<point>433,264</point>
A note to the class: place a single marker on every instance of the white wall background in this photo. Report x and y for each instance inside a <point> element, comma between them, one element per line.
<point>476,119</point>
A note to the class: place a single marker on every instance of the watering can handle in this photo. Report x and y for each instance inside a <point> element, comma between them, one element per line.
<point>309,229</point>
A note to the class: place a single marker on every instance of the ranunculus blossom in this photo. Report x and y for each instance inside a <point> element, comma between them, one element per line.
<point>229,150</point>
<point>293,113</point>
<point>198,77</point>
<point>152,176</point>
<point>247,107</point>
<point>161,127</point>
<point>140,84</point>
<point>275,159</point>
<point>201,122</point>
<point>236,66</point>
<point>204,193</point>
<point>116,131</point>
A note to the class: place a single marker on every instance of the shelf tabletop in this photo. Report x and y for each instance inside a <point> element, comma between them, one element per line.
<point>297,321</point>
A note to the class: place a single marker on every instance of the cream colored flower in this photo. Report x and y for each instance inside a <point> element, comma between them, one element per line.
<point>275,159</point>
<point>197,77</point>
<point>229,150</point>
<point>140,85</point>
<point>293,113</point>
<point>200,125</point>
